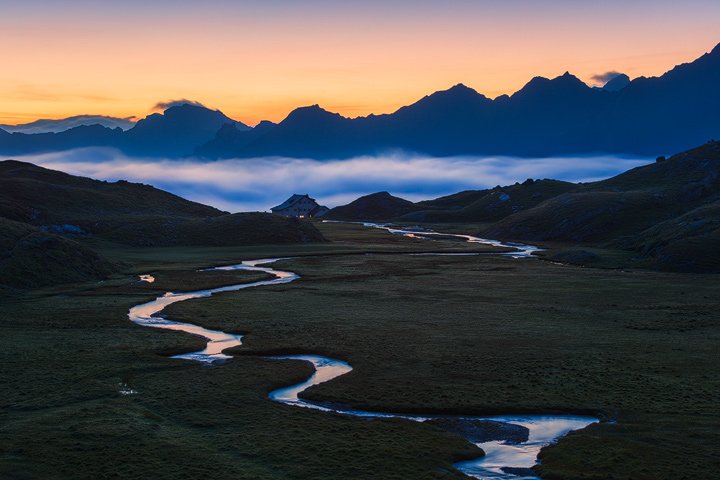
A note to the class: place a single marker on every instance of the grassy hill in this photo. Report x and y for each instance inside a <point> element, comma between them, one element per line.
<point>489,205</point>
<point>623,205</point>
<point>37,195</point>
<point>379,206</point>
<point>132,213</point>
<point>685,243</point>
<point>30,257</point>
<point>667,212</point>
<point>49,219</point>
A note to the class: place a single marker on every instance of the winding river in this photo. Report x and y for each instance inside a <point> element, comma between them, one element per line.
<point>504,459</point>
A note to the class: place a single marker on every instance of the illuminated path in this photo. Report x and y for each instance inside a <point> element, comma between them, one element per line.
<point>499,454</point>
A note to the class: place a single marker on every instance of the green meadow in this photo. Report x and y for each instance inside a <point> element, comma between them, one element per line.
<point>99,397</point>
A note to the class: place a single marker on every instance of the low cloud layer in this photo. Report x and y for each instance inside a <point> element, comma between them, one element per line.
<point>176,103</point>
<point>603,78</point>
<point>260,183</point>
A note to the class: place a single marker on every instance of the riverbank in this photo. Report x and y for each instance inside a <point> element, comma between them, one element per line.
<point>498,456</point>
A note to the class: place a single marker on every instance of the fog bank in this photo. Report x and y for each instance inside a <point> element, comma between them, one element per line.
<point>260,183</point>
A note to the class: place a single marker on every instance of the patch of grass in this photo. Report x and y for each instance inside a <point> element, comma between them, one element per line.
<point>225,230</point>
<point>31,258</point>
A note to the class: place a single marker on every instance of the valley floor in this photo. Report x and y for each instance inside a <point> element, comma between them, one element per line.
<point>463,334</point>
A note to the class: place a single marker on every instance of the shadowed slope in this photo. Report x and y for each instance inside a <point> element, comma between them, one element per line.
<point>623,205</point>
<point>131,213</point>
<point>40,196</point>
<point>489,205</point>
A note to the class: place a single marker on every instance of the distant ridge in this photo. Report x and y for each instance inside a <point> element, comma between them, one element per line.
<point>61,125</point>
<point>557,116</point>
<point>175,132</point>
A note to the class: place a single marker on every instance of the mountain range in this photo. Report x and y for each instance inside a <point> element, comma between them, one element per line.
<point>559,116</point>
<point>61,125</point>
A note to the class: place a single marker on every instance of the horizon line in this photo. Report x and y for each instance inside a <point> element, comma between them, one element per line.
<point>135,118</point>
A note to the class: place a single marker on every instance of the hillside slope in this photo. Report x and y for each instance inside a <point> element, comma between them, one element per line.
<point>39,196</point>
<point>689,242</point>
<point>379,206</point>
<point>489,205</point>
<point>667,212</point>
<point>623,205</point>
<point>130,213</point>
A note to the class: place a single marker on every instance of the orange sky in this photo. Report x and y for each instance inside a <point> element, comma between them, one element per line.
<point>260,61</point>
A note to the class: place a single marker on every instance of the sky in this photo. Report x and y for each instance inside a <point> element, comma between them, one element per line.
<point>259,60</point>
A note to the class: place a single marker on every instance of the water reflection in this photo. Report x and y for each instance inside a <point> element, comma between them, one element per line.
<point>543,429</point>
<point>521,250</point>
<point>148,314</point>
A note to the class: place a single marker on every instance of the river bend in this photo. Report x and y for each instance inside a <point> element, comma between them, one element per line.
<point>499,454</point>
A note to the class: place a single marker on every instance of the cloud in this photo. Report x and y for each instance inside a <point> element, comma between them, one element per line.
<point>603,78</point>
<point>176,103</point>
<point>259,183</point>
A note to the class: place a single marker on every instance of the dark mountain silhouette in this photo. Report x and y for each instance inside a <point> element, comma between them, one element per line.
<point>558,116</point>
<point>647,116</point>
<point>78,137</point>
<point>306,132</point>
<point>230,140</point>
<point>61,125</point>
<point>617,83</point>
<point>175,132</point>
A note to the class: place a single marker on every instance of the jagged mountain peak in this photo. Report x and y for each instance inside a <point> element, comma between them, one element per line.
<point>616,83</point>
<point>459,91</point>
<point>565,84</point>
<point>311,113</point>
